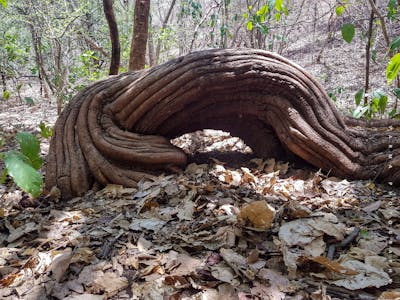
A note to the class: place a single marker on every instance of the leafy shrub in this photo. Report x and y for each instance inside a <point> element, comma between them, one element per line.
<point>22,165</point>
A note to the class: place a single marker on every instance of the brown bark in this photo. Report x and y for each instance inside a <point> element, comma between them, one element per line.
<point>118,130</point>
<point>151,50</point>
<point>137,57</point>
<point>114,36</point>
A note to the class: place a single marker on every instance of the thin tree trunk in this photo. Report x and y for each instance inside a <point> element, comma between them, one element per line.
<point>60,73</point>
<point>368,55</point>
<point>382,21</point>
<point>137,57</point>
<point>36,42</point>
<point>225,18</point>
<point>152,54</point>
<point>163,26</point>
<point>114,36</point>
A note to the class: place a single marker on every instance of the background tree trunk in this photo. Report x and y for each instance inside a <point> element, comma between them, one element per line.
<point>137,57</point>
<point>114,36</point>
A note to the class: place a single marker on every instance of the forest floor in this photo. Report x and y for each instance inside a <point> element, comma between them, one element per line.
<point>229,226</point>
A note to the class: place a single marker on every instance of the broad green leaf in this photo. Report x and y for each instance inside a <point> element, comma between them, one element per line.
<point>277,17</point>
<point>348,31</point>
<point>6,94</point>
<point>340,10</point>
<point>29,100</point>
<point>358,96</point>
<point>30,147</point>
<point>392,9</point>
<point>250,25</point>
<point>396,92</point>
<point>26,177</point>
<point>279,5</point>
<point>3,3</point>
<point>263,10</point>
<point>383,103</point>
<point>395,44</point>
<point>393,68</point>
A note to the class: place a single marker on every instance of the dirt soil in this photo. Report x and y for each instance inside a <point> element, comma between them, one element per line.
<point>229,226</point>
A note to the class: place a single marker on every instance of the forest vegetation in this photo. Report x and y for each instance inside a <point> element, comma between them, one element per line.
<point>214,220</point>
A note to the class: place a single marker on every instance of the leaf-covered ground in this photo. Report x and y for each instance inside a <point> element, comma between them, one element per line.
<point>229,226</point>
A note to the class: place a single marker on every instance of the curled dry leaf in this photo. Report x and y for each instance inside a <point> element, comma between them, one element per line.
<point>258,213</point>
<point>390,295</point>
<point>60,264</point>
<point>368,276</point>
<point>331,265</point>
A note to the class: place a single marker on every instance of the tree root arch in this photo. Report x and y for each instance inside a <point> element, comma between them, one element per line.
<point>118,130</point>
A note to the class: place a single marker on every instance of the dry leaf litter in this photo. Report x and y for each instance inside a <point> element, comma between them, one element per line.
<point>240,229</point>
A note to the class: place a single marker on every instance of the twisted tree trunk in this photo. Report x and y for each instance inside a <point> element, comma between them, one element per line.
<point>118,130</point>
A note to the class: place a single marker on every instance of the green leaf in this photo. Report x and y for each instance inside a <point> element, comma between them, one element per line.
<point>279,5</point>
<point>6,94</point>
<point>263,10</point>
<point>250,25</point>
<point>360,111</point>
<point>340,10</point>
<point>382,104</point>
<point>348,31</point>
<point>3,176</point>
<point>373,55</point>
<point>395,44</point>
<point>30,147</point>
<point>45,131</point>
<point>29,100</point>
<point>3,3</point>
<point>393,68</point>
<point>26,177</point>
<point>396,92</point>
<point>379,98</point>
<point>359,96</point>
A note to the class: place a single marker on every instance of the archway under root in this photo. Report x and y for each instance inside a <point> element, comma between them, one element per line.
<point>118,130</point>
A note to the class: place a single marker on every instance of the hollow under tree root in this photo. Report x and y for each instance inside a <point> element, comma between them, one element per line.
<point>118,130</point>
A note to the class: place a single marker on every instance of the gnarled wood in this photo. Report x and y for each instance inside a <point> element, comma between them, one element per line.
<point>118,130</point>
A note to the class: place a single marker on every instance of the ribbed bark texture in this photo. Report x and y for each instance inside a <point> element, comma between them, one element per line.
<point>118,130</point>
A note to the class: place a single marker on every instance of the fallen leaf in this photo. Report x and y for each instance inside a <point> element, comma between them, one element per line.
<point>110,282</point>
<point>85,297</point>
<point>372,207</point>
<point>152,224</point>
<point>390,295</point>
<point>60,265</point>
<point>368,276</point>
<point>21,231</point>
<point>258,213</point>
<point>331,265</point>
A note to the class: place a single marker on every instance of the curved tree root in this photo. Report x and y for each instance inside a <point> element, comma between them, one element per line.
<point>118,130</point>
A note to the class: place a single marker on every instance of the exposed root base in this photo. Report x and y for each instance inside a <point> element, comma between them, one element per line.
<point>118,130</point>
